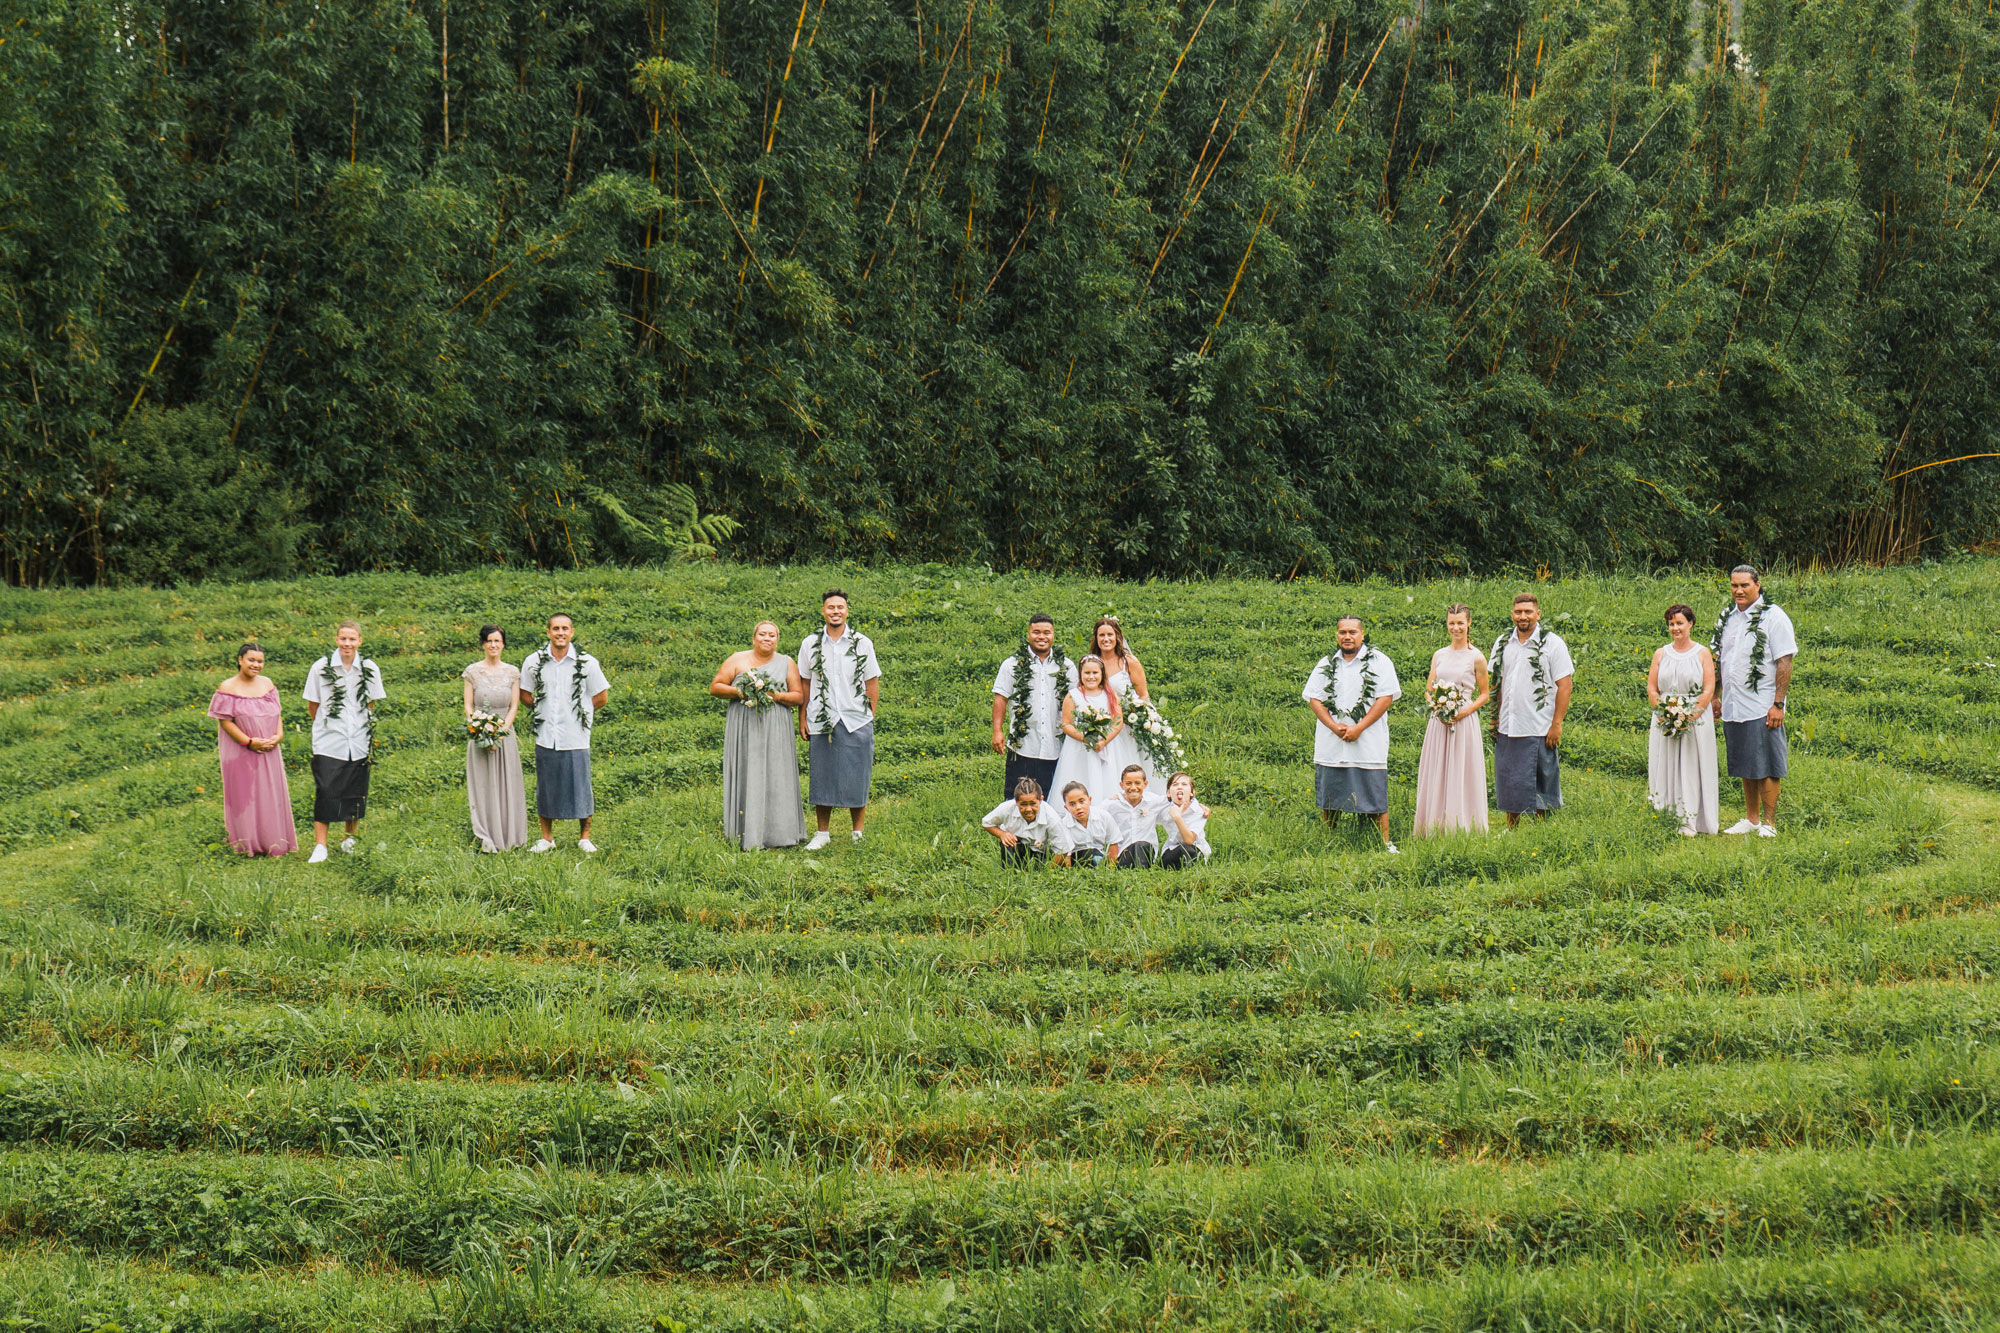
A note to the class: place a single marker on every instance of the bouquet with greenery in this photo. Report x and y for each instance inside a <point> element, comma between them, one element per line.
<point>1676,715</point>
<point>1447,701</point>
<point>1093,723</point>
<point>759,691</point>
<point>1155,738</point>
<point>485,729</point>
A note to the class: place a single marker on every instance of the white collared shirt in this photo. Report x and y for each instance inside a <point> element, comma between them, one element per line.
<point>346,736</point>
<point>1336,682</point>
<point>848,705</point>
<point>1040,831</point>
<point>1045,695</point>
<point>1097,832</point>
<point>1137,823</point>
<point>1197,824</point>
<point>1732,664</point>
<point>1519,714</point>
<point>558,727</point>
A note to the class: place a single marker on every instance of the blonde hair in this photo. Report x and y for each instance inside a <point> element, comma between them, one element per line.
<point>1103,671</point>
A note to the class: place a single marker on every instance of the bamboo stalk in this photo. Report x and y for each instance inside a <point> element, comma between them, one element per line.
<point>1126,161</point>
<point>771,132</point>
<point>944,75</point>
<point>161,351</point>
<point>1241,264</point>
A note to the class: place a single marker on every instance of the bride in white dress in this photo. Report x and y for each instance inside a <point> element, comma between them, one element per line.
<point>1096,769</point>
<point>1108,642</point>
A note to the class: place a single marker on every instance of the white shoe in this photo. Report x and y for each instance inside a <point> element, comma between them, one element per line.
<point>319,854</point>
<point>347,845</point>
<point>1766,831</point>
<point>857,835</point>
<point>819,840</point>
<point>585,845</point>
<point>542,845</point>
<point>1392,849</point>
<point>1742,826</point>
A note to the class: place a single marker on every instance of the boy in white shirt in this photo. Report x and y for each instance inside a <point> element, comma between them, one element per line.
<point>1136,817</point>
<point>1088,839</point>
<point>1186,821</point>
<point>1025,827</point>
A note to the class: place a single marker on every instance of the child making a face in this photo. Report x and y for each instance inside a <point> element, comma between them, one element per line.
<point>1186,821</point>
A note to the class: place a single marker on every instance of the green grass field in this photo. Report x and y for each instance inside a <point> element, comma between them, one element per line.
<point>1593,1075</point>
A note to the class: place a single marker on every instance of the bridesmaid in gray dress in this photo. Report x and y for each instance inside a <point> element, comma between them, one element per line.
<point>493,784</point>
<point>761,802</point>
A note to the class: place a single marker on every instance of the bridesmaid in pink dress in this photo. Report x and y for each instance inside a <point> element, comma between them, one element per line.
<point>256,802</point>
<point>1451,773</point>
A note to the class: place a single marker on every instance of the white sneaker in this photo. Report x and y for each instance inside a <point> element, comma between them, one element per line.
<point>819,840</point>
<point>347,845</point>
<point>857,835</point>
<point>542,845</point>
<point>319,854</point>
<point>1392,849</point>
<point>1742,826</point>
<point>585,845</point>
<point>1766,831</point>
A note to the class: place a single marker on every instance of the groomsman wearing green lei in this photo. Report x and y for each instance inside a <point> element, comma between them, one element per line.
<point>843,687</point>
<point>1532,674</point>
<point>1027,707</point>
<point>1754,648</point>
<point>1350,692</point>
<point>341,692</point>
<point>572,688</point>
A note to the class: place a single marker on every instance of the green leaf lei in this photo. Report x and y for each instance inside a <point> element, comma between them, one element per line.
<point>1496,669</point>
<point>1758,639</point>
<point>1024,684</point>
<point>336,698</point>
<point>822,710</point>
<point>1367,661</point>
<point>582,662</point>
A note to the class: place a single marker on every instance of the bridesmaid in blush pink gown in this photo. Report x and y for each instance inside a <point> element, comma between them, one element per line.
<point>256,802</point>
<point>1451,772</point>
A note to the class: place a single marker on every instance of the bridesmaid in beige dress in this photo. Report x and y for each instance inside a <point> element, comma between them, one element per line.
<point>493,784</point>
<point>1451,772</point>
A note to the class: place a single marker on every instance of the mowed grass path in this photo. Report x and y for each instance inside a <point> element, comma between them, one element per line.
<point>1592,1075</point>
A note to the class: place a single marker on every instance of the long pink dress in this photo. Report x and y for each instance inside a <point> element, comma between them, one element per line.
<point>1451,772</point>
<point>256,802</point>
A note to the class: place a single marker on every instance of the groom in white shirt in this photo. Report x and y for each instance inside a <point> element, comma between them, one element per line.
<point>1028,730</point>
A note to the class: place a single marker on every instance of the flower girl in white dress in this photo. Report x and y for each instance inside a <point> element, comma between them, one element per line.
<point>1108,642</point>
<point>1096,768</point>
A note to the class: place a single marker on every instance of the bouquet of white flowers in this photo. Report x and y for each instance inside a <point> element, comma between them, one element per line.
<point>1093,723</point>
<point>484,728</point>
<point>759,691</point>
<point>1447,701</point>
<point>1676,715</point>
<point>1155,738</point>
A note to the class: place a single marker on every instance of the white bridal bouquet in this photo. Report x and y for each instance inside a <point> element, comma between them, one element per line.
<point>759,691</point>
<point>1155,738</point>
<point>1093,723</point>
<point>1447,701</point>
<point>1676,714</point>
<point>485,729</point>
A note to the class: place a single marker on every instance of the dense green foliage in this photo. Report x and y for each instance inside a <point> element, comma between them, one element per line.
<point>1587,1075</point>
<point>1333,287</point>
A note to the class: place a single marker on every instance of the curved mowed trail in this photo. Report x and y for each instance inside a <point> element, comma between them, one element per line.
<point>1588,1075</point>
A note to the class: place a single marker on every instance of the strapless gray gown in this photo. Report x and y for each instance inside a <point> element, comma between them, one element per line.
<point>761,802</point>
